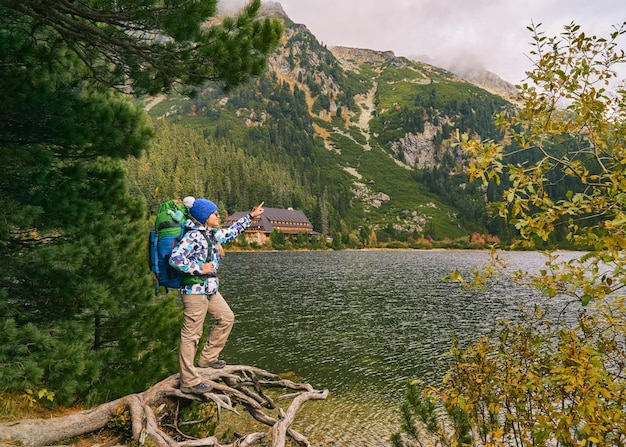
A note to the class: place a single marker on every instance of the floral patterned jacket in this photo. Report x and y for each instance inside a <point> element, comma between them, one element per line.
<point>200,245</point>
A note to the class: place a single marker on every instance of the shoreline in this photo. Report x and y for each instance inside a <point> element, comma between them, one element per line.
<point>437,249</point>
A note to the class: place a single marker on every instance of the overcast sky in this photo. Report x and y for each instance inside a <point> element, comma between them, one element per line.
<point>490,34</point>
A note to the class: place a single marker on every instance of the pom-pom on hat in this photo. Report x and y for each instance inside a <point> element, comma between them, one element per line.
<point>200,209</point>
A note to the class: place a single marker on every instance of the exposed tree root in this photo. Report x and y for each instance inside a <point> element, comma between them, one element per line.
<point>233,385</point>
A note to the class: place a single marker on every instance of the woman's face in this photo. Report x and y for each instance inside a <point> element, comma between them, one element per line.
<point>213,220</point>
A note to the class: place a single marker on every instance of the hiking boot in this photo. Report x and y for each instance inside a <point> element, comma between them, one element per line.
<point>200,388</point>
<point>218,364</point>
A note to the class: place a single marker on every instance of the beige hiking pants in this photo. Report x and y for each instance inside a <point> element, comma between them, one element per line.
<point>195,309</point>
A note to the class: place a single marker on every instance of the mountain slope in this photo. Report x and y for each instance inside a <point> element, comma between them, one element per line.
<point>358,139</point>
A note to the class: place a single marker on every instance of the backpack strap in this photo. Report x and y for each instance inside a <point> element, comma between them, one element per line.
<point>168,224</point>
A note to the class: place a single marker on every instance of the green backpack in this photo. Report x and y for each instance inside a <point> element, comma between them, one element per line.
<point>169,228</point>
<point>170,216</point>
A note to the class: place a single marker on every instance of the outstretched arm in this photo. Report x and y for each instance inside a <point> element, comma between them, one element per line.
<point>229,234</point>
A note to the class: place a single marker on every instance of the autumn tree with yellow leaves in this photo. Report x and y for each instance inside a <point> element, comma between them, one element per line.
<point>537,381</point>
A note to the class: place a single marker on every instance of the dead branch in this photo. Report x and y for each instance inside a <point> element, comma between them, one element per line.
<point>233,385</point>
<point>279,430</point>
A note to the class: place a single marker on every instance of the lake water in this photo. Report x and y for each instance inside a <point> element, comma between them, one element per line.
<point>360,324</point>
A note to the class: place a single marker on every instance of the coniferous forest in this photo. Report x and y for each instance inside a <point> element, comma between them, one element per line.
<point>294,137</point>
<point>294,125</point>
<point>78,317</point>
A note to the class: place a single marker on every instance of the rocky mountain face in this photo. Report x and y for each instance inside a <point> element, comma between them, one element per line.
<point>405,108</point>
<point>487,80</point>
<point>383,123</point>
<point>384,95</point>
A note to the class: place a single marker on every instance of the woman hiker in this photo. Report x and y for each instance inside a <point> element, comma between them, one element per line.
<point>198,255</point>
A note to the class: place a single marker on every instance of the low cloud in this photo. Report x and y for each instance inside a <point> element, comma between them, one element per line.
<point>469,33</point>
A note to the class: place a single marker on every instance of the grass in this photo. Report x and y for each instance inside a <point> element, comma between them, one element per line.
<point>407,195</point>
<point>16,406</point>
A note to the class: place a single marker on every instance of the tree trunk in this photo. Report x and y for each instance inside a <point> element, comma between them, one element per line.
<point>232,385</point>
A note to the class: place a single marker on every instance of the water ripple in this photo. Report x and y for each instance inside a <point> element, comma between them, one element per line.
<point>359,323</point>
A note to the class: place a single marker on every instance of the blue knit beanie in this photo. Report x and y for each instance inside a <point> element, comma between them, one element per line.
<point>200,209</point>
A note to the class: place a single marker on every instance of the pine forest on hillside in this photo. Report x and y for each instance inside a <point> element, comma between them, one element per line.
<point>329,135</point>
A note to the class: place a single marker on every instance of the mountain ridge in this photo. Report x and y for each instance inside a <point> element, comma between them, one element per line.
<point>359,139</point>
<point>481,77</point>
